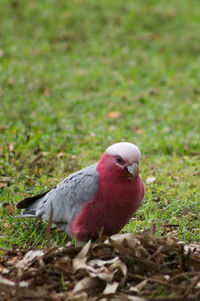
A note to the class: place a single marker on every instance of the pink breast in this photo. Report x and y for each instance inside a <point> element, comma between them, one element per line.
<point>112,208</point>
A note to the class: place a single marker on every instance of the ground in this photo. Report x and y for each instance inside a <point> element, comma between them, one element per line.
<point>77,76</point>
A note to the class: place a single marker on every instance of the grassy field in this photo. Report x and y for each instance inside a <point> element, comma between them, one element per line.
<point>77,76</point>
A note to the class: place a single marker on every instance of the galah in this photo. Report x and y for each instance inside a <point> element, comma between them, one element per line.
<point>103,196</point>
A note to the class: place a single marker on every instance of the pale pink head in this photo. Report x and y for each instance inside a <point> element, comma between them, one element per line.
<point>120,161</point>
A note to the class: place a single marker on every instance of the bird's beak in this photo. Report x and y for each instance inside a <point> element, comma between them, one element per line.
<point>132,170</point>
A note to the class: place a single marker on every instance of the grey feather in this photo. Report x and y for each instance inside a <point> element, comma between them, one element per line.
<point>67,198</point>
<point>25,215</point>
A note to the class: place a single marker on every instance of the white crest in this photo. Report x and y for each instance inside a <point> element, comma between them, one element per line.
<point>127,151</point>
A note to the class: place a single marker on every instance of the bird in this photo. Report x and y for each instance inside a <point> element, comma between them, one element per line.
<point>100,197</point>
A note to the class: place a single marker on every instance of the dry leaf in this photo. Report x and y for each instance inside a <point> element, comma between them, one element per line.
<point>3,128</point>
<point>12,260</point>
<point>3,185</point>
<point>111,288</point>
<point>150,180</point>
<point>107,60</point>
<point>130,238</point>
<point>140,286</point>
<point>105,269</point>
<point>6,285</point>
<point>35,51</point>
<point>111,128</point>
<point>196,173</point>
<point>9,208</point>
<point>80,261</point>
<point>4,271</point>
<point>6,179</point>
<point>60,155</point>
<point>11,81</point>
<point>12,146</point>
<point>65,264</point>
<point>153,91</point>
<point>84,250</point>
<point>86,284</point>
<point>176,178</point>
<point>124,267</point>
<point>137,130</point>
<point>81,72</point>
<point>46,92</point>
<point>45,154</point>
<point>114,115</point>
<point>29,258</point>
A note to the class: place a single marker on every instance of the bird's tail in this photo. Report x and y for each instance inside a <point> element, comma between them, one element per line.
<point>29,202</point>
<point>30,205</point>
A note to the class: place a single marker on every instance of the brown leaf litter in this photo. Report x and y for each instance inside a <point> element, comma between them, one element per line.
<point>123,267</point>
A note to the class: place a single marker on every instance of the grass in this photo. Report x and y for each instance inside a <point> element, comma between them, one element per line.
<point>76,76</point>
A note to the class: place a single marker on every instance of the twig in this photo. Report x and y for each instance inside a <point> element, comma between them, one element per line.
<point>183,275</point>
<point>48,232</point>
<point>40,155</point>
<point>190,288</point>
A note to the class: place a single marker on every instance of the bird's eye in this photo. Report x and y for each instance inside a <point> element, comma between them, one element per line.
<point>120,160</point>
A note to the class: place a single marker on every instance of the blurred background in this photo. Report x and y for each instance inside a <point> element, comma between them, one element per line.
<point>77,76</point>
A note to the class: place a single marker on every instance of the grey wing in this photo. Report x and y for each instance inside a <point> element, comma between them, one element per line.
<point>68,197</point>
